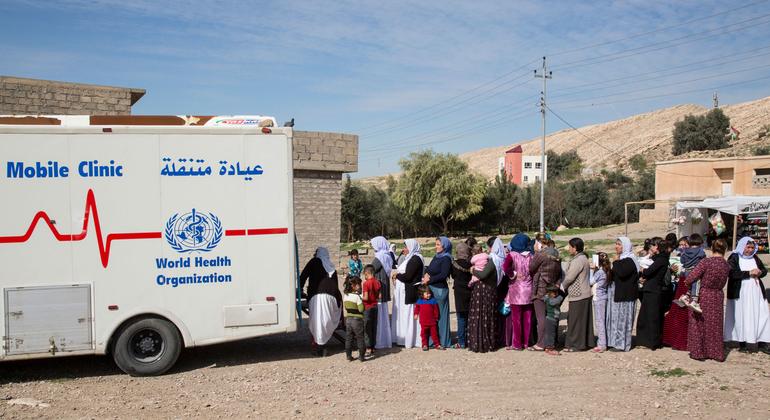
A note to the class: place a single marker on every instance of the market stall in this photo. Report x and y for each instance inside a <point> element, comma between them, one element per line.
<point>731,217</point>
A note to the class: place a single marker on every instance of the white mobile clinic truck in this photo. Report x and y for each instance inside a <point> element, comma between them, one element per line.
<point>137,236</point>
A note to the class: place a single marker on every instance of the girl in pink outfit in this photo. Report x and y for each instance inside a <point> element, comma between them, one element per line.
<point>518,324</point>
<point>478,261</point>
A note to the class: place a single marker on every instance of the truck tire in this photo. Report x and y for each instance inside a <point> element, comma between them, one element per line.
<point>147,347</point>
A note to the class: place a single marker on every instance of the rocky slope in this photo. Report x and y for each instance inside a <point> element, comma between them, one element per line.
<point>649,134</point>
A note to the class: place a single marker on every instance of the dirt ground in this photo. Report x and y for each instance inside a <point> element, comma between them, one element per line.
<point>276,377</point>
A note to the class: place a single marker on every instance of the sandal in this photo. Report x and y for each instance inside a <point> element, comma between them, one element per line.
<point>569,350</point>
<point>597,350</point>
<point>552,352</point>
<point>535,348</point>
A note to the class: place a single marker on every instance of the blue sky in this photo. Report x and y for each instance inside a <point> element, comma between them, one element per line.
<point>449,75</point>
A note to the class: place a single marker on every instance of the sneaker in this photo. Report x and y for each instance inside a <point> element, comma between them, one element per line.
<point>695,307</point>
<point>424,348</point>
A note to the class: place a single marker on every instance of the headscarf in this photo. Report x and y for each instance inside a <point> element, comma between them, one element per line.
<point>323,254</point>
<point>497,255</point>
<point>742,247</point>
<point>447,245</point>
<point>381,249</point>
<point>628,251</point>
<point>463,251</point>
<point>519,243</point>
<point>413,249</point>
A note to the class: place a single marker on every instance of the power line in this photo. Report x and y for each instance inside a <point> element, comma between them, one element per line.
<point>639,50</point>
<point>667,94</point>
<point>418,112</point>
<point>459,105</point>
<point>393,122</point>
<point>481,129</point>
<point>606,84</point>
<point>475,118</point>
<point>583,134</point>
<point>676,83</point>
<point>641,34</point>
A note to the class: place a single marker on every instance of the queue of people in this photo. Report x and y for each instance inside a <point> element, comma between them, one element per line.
<point>511,297</point>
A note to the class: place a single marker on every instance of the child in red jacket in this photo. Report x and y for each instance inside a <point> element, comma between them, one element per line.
<point>426,310</point>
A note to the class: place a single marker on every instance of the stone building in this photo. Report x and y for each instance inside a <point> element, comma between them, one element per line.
<point>46,97</point>
<point>701,178</point>
<point>320,159</point>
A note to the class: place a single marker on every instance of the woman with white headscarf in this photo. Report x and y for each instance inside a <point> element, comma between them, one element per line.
<point>747,318</point>
<point>404,328</point>
<point>383,265</point>
<point>621,296</point>
<point>324,298</point>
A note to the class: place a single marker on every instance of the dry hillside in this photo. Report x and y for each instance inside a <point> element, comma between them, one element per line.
<point>649,134</point>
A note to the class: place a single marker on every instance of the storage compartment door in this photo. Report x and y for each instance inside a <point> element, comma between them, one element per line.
<point>48,319</point>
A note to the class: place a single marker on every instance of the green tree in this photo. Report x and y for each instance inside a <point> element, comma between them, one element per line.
<point>354,210</point>
<point>527,208</point>
<point>637,162</point>
<point>439,187</point>
<point>615,179</point>
<point>500,204</point>
<point>704,132</point>
<point>563,167</point>
<point>588,201</point>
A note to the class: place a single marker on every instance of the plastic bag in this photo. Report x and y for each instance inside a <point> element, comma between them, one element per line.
<point>504,309</point>
<point>717,223</point>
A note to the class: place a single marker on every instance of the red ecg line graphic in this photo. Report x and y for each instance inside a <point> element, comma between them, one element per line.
<point>105,243</point>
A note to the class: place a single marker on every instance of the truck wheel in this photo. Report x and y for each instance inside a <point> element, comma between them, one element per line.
<point>147,347</point>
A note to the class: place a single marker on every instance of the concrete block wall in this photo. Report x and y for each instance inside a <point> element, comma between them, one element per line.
<point>320,159</point>
<point>46,97</point>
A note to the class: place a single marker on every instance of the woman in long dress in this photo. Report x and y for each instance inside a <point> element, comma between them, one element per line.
<point>649,324</point>
<point>324,298</point>
<point>621,296</point>
<point>704,338</point>
<point>404,328</point>
<point>747,318</point>
<point>383,265</point>
<point>580,322</point>
<point>482,315</point>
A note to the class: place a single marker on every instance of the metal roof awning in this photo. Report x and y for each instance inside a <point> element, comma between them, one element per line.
<point>739,204</point>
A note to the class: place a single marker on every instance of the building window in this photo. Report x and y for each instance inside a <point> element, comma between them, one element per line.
<point>537,165</point>
<point>537,179</point>
<point>527,165</point>
<point>762,171</point>
<point>526,178</point>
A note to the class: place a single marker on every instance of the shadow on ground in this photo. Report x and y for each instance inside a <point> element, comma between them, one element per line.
<point>279,347</point>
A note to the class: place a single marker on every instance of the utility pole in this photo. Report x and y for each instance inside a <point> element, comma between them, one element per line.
<point>545,76</point>
<point>716,100</point>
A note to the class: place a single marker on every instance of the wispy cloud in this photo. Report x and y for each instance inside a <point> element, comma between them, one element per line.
<point>345,65</point>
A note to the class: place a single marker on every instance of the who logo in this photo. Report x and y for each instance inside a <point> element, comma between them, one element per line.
<point>193,231</point>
